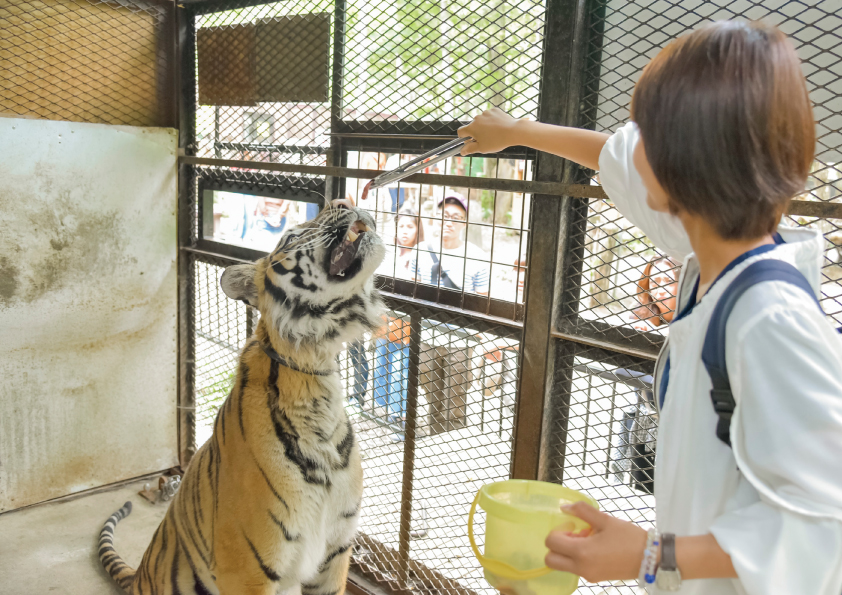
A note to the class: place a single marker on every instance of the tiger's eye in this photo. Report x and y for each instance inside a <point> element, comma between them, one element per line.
<point>286,262</point>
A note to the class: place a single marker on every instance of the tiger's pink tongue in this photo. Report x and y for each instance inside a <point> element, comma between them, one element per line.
<point>342,257</point>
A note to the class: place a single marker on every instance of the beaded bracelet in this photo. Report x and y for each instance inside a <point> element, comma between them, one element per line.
<point>650,560</point>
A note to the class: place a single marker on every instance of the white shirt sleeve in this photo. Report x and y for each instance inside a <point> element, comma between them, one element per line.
<point>625,188</point>
<point>784,365</point>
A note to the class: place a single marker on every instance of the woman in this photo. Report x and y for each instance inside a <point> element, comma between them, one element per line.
<point>410,264</point>
<point>658,288</point>
<point>722,137</point>
<point>392,348</point>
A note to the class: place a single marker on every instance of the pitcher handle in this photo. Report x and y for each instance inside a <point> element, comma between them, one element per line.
<point>496,566</point>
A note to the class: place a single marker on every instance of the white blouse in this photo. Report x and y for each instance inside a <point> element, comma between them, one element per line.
<point>774,501</point>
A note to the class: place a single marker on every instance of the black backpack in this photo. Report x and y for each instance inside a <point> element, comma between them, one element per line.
<point>713,351</point>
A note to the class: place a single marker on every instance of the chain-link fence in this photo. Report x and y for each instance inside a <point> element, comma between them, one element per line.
<point>422,67</point>
<point>618,260</point>
<point>270,81</point>
<point>263,81</point>
<point>432,428</point>
<point>88,61</point>
<point>365,86</point>
<point>476,238</point>
<point>472,59</point>
<point>604,426</point>
<point>361,85</point>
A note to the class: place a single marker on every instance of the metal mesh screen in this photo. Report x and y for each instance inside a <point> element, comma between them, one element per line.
<point>414,514</point>
<point>616,260</point>
<point>263,78</point>
<point>635,31</point>
<point>466,385</point>
<point>603,426</point>
<point>422,62</point>
<point>433,409</point>
<point>269,83</point>
<point>627,287</point>
<point>221,327</point>
<point>463,385</point>
<point>88,61</point>
<point>603,416</point>
<point>486,271</point>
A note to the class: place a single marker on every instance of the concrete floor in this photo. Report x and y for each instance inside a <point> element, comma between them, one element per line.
<point>51,548</point>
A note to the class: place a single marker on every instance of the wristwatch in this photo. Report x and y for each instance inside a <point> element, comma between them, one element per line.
<point>668,577</point>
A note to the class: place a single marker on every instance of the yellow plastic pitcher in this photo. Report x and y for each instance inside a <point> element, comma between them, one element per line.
<point>519,516</point>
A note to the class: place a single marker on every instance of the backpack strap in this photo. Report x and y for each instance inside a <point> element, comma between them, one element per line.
<point>713,352</point>
<point>439,275</point>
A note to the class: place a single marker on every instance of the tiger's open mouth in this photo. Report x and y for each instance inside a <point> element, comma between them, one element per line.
<point>344,254</point>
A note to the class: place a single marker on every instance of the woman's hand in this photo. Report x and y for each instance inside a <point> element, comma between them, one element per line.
<point>493,130</point>
<point>611,550</point>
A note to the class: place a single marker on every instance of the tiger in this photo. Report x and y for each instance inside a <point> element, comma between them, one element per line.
<point>270,503</point>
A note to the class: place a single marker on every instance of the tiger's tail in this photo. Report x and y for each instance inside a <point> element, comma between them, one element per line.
<point>111,560</point>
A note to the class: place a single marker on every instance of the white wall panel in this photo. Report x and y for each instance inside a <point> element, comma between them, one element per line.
<point>87,306</point>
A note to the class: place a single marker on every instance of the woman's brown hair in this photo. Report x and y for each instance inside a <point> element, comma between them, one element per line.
<point>649,310</point>
<point>727,125</point>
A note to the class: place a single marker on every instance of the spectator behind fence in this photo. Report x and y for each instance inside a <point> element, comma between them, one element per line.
<point>268,222</point>
<point>503,352</point>
<point>460,265</point>
<point>392,347</point>
<point>407,262</point>
<point>446,358</point>
<point>657,294</point>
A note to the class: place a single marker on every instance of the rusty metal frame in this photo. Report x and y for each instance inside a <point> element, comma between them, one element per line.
<point>559,104</point>
<point>575,190</point>
<point>186,341</point>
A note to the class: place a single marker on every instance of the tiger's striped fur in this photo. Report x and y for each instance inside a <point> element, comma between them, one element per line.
<point>271,500</point>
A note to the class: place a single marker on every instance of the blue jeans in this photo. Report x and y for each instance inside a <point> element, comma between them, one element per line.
<point>398,196</point>
<point>391,376</point>
<point>312,211</point>
<point>356,352</point>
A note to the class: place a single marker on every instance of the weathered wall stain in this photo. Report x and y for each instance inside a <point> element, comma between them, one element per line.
<point>8,280</point>
<point>65,239</point>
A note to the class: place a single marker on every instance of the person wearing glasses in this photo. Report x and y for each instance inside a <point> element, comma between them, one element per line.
<point>459,265</point>
<point>446,354</point>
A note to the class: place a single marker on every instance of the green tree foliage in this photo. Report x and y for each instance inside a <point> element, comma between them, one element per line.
<point>430,60</point>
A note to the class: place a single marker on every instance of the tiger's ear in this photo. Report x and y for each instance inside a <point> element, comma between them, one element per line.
<point>237,282</point>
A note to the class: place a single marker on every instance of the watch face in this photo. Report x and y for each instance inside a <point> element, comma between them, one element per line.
<point>668,580</point>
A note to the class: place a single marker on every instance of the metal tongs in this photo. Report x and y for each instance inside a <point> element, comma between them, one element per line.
<point>427,159</point>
